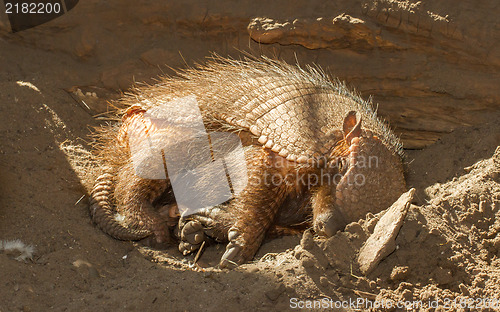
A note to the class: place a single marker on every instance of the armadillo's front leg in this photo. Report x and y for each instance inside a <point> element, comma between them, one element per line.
<point>244,220</point>
<point>255,208</point>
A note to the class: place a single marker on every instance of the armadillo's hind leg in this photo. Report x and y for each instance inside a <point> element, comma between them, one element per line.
<point>135,198</point>
<point>122,206</point>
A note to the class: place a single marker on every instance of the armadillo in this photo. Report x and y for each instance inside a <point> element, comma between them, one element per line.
<point>337,159</point>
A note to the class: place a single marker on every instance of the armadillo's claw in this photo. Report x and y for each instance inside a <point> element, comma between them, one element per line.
<point>242,247</point>
<point>186,248</point>
<point>231,257</point>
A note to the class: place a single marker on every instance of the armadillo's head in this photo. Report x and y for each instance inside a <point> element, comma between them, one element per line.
<point>372,179</point>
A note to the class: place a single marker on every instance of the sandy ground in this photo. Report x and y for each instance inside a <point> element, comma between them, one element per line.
<point>448,247</point>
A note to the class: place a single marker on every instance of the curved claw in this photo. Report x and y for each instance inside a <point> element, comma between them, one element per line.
<point>186,248</point>
<point>231,256</point>
<point>242,247</point>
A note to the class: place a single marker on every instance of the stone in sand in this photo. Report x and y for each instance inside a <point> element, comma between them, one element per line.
<point>383,240</point>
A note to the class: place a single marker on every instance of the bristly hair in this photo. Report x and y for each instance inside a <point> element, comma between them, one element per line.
<point>231,94</point>
<point>226,89</point>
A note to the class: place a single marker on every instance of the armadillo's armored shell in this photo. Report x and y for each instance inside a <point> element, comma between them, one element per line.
<point>295,112</point>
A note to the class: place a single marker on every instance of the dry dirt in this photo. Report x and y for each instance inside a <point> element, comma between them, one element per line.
<point>448,249</point>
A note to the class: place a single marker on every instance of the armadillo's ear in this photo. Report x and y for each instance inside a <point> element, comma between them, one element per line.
<point>349,122</point>
<point>352,127</point>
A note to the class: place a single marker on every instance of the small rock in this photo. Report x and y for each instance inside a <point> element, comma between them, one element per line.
<point>307,241</point>
<point>464,289</point>
<point>298,254</point>
<point>382,242</point>
<point>356,229</point>
<point>482,206</point>
<point>399,273</point>
<point>86,269</point>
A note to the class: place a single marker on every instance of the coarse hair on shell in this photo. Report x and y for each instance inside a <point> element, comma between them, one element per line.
<point>295,111</point>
